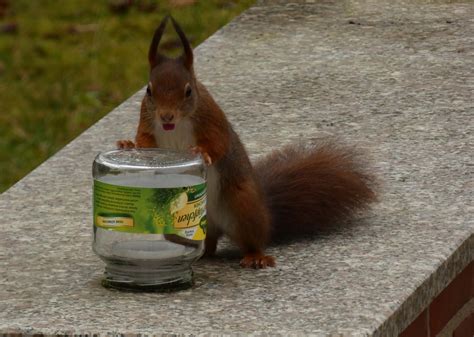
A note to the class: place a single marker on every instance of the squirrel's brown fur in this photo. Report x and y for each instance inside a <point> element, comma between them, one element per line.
<point>293,190</point>
<point>307,187</point>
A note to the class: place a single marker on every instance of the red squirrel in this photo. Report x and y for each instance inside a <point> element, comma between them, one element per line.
<point>292,190</point>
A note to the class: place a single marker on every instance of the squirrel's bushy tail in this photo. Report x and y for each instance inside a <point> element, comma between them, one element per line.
<point>309,187</point>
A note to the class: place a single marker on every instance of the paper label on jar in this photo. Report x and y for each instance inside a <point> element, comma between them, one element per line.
<point>180,210</point>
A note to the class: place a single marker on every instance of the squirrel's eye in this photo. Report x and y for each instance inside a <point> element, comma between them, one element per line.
<point>188,91</point>
<point>148,90</point>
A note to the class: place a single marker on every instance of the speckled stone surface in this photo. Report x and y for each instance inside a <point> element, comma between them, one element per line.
<point>393,77</point>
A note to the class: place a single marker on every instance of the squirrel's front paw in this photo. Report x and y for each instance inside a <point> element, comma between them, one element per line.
<point>205,156</point>
<point>257,261</point>
<point>125,144</point>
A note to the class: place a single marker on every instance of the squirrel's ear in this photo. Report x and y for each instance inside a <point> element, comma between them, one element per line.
<point>187,56</point>
<point>153,55</point>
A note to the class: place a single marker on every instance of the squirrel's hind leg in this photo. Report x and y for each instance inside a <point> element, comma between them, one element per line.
<point>252,224</point>
<point>257,261</point>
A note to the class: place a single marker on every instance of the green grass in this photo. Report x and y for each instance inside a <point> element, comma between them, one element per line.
<point>71,62</point>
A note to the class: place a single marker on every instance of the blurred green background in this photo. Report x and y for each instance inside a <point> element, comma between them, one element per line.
<point>65,64</point>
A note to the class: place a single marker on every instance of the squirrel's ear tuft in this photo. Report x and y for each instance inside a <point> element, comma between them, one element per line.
<point>153,55</point>
<point>187,56</point>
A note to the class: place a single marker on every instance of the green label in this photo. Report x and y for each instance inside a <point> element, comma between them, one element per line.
<point>180,211</point>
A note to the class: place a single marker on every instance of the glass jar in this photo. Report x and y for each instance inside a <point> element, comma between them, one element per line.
<point>149,217</point>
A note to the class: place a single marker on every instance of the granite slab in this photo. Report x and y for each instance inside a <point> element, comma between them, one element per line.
<point>392,77</point>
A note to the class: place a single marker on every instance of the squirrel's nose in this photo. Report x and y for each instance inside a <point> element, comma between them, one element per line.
<point>166,118</point>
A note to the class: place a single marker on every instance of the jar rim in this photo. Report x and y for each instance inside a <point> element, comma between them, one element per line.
<point>149,159</point>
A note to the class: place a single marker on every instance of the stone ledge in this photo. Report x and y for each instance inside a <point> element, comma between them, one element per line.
<point>392,77</point>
